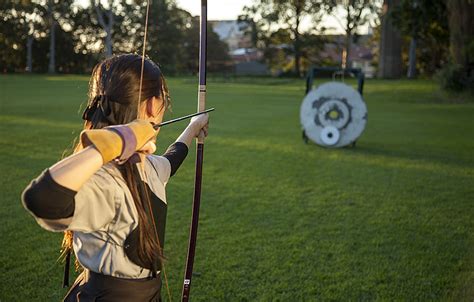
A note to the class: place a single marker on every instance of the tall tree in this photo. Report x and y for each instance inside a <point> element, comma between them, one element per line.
<point>32,16</point>
<point>52,37</point>
<point>355,13</point>
<point>425,23</point>
<point>390,50</point>
<point>251,25</point>
<point>119,22</point>
<point>284,15</point>
<point>58,13</point>
<point>106,19</point>
<point>461,29</point>
<point>21,25</point>
<point>217,56</point>
<point>166,32</point>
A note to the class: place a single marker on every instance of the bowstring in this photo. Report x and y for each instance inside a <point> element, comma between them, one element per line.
<point>143,53</point>
<point>138,110</point>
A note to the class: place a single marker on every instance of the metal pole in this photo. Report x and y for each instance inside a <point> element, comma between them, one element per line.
<point>199,155</point>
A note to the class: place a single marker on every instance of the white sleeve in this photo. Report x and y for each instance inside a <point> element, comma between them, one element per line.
<point>162,167</point>
<point>95,203</point>
<point>94,206</point>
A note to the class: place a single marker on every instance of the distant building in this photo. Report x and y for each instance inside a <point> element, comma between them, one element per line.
<point>251,68</point>
<point>246,54</point>
<point>245,58</point>
<point>249,60</point>
<point>361,54</point>
<point>233,33</point>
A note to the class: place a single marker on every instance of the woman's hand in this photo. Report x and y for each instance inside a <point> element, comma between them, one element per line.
<point>198,126</point>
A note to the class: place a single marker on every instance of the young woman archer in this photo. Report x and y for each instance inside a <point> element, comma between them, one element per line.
<point>111,192</point>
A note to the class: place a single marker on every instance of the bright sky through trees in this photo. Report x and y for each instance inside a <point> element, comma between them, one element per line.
<point>217,9</point>
<point>231,9</point>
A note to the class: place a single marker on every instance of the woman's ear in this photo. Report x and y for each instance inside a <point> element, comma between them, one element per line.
<point>151,107</point>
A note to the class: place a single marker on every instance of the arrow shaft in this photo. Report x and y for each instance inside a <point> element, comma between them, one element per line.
<point>181,118</point>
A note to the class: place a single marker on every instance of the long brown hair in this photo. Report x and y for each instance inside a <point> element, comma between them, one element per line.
<point>116,82</point>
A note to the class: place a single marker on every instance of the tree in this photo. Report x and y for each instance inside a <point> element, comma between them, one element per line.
<point>250,26</point>
<point>21,25</point>
<point>106,19</point>
<point>268,17</point>
<point>390,50</point>
<point>165,34</point>
<point>32,15</point>
<point>217,55</point>
<point>458,74</point>
<point>25,34</point>
<point>461,29</point>
<point>356,14</point>
<point>28,36</point>
<point>425,23</point>
<point>57,12</point>
<point>52,37</point>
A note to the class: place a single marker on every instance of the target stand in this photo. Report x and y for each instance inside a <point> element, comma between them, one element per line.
<point>334,114</point>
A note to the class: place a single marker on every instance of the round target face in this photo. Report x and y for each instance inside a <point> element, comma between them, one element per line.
<point>333,109</point>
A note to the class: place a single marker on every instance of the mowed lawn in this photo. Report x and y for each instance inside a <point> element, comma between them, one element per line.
<point>392,219</point>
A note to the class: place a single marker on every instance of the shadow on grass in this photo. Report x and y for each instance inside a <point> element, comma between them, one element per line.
<point>407,154</point>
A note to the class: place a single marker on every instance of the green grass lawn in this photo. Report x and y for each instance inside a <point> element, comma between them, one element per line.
<point>392,219</point>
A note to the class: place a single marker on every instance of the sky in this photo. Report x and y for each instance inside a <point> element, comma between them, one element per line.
<point>231,9</point>
<point>216,9</point>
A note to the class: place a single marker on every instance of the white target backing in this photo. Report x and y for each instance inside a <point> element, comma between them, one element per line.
<point>333,115</point>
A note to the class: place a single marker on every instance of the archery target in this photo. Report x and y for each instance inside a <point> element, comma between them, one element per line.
<point>333,115</point>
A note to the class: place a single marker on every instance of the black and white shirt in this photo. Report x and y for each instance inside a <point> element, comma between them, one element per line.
<point>103,211</point>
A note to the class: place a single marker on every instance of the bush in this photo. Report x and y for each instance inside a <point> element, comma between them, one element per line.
<point>455,78</point>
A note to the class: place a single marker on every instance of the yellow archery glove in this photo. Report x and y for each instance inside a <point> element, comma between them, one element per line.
<point>120,141</point>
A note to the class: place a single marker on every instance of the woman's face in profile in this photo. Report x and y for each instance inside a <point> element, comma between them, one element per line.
<point>153,111</point>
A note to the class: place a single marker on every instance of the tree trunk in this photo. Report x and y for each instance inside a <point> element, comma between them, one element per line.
<point>346,61</point>
<point>254,33</point>
<point>297,48</point>
<point>461,32</point>
<point>390,51</point>
<point>106,26</point>
<point>411,74</point>
<point>52,49</point>
<point>297,59</point>
<point>108,43</point>
<point>52,40</point>
<point>109,30</point>
<point>29,59</point>
<point>347,47</point>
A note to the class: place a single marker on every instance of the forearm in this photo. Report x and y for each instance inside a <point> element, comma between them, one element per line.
<point>197,126</point>
<point>52,194</point>
<point>73,171</point>
<point>187,136</point>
